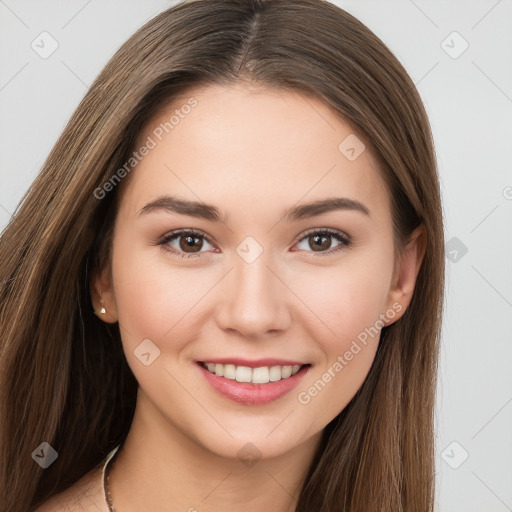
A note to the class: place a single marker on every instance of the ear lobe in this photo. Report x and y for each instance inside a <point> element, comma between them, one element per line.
<point>102,296</point>
<point>404,279</point>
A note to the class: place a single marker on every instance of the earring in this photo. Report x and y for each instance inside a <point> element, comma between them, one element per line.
<point>102,310</point>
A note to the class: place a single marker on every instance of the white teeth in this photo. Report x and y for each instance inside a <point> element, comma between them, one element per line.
<point>228,372</point>
<point>286,372</point>
<point>260,375</point>
<point>219,369</point>
<point>243,374</point>
<point>275,373</point>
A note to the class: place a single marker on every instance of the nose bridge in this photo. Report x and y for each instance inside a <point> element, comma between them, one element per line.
<point>254,300</point>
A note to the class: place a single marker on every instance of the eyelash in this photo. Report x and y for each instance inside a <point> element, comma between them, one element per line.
<point>344,240</point>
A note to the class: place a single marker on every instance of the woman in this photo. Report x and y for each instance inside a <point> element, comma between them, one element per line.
<point>224,289</point>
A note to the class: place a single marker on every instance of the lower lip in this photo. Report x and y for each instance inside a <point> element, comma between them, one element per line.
<point>253,394</point>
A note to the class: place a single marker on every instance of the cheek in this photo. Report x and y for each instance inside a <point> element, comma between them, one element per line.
<point>156,301</point>
<point>349,302</point>
<point>345,300</point>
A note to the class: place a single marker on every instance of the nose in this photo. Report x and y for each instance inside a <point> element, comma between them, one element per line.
<point>255,301</point>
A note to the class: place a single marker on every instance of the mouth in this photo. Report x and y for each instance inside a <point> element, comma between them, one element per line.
<point>253,383</point>
<point>252,375</point>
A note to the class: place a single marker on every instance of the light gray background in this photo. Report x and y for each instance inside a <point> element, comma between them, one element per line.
<point>469,100</point>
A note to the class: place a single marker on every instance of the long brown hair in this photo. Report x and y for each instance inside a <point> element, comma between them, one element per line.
<point>63,375</point>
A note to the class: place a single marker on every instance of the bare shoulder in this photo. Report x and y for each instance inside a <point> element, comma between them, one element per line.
<point>86,495</point>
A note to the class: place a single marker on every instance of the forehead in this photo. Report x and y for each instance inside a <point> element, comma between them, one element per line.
<point>258,146</point>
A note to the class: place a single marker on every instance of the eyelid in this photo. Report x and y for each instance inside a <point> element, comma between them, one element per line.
<point>184,231</point>
<point>330,231</point>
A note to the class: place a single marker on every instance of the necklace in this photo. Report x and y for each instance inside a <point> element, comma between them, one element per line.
<point>106,474</point>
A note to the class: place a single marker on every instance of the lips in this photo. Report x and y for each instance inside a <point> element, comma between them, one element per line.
<point>253,382</point>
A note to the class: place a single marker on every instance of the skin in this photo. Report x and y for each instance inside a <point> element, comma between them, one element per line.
<point>251,152</point>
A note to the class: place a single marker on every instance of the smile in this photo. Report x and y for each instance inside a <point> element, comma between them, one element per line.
<point>259,375</point>
<point>253,382</point>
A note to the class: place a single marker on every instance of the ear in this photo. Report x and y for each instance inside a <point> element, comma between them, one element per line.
<point>102,295</point>
<point>406,272</point>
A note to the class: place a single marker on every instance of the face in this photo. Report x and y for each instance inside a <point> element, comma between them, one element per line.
<point>252,268</point>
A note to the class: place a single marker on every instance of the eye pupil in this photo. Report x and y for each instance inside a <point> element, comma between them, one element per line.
<point>189,242</point>
<point>315,238</point>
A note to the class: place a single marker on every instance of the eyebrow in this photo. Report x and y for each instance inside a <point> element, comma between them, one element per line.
<point>212,213</point>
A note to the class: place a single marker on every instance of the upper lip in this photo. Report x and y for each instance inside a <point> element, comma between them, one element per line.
<point>256,363</point>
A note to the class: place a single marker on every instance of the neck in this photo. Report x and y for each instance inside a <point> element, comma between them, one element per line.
<point>158,465</point>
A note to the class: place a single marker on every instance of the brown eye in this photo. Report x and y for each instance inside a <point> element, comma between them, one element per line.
<point>185,243</point>
<point>320,241</point>
<point>194,243</point>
